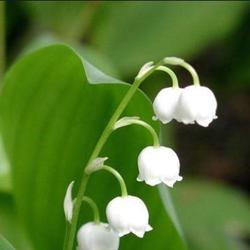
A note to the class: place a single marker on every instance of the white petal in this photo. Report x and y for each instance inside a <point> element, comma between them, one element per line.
<point>148,228</point>
<point>139,179</point>
<point>169,183</point>
<point>203,122</point>
<point>179,178</point>
<point>123,232</point>
<point>138,233</point>
<point>68,203</point>
<point>153,182</point>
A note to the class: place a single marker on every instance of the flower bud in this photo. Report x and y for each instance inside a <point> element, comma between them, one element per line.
<point>158,164</point>
<point>68,203</point>
<point>165,104</point>
<point>128,214</point>
<point>92,236</point>
<point>144,69</point>
<point>197,104</point>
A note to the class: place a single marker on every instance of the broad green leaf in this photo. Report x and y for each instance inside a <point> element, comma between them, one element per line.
<point>213,216</point>
<point>10,226</point>
<point>4,244</point>
<point>89,53</point>
<point>5,180</point>
<point>53,108</point>
<point>134,33</point>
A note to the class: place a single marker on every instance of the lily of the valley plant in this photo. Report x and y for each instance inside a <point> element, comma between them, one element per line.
<point>156,164</point>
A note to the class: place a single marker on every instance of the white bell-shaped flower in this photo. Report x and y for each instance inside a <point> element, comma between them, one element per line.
<point>92,236</point>
<point>197,104</point>
<point>158,164</point>
<point>128,214</point>
<point>166,102</point>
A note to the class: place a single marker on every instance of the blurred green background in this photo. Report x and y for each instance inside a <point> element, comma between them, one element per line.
<point>214,36</point>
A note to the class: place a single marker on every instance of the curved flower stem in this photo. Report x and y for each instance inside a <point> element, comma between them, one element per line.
<point>100,143</point>
<point>117,175</point>
<point>94,207</point>
<point>126,121</point>
<point>187,66</point>
<point>171,74</point>
<point>151,130</point>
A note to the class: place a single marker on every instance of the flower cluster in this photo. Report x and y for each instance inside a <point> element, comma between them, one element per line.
<point>156,164</point>
<point>187,105</point>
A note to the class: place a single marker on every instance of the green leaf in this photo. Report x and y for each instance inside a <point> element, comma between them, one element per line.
<point>4,244</point>
<point>53,109</point>
<point>10,226</point>
<point>89,53</point>
<point>133,33</point>
<point>5,179</point>
<point>213,216</point>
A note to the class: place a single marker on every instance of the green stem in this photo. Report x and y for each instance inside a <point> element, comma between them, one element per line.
<point>187,66</point>
<point>66,238</point>
<point>171,74</point>
<point>117,175</point>
<point>100,143</point>
<point>94,207</point>
<point>2,38</point>
<point>70,233</point>
<point>151,130</point>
